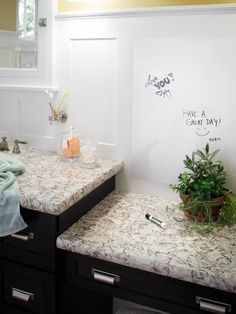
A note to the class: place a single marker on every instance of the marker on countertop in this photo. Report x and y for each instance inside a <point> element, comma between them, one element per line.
<point>156,221</point>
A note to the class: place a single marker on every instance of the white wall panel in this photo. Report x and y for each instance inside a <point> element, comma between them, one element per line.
<point>33,114</point>
<point>24,116</point>
<point>33,124</point>
<point>93,86</point>
<point>8,113</point>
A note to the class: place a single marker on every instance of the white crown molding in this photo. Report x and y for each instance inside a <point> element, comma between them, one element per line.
<point>152,11</point>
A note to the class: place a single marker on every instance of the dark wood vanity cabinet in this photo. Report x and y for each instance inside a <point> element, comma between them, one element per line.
<point>83,273</point>
<point>30,264</point>
<point>27,266</point>
<point>26,290</point>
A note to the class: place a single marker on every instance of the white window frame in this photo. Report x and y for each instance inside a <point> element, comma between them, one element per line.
<point>24,36</point>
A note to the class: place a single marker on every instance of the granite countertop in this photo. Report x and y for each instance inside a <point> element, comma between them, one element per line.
<point>116,230</point>
<point>51,185</point>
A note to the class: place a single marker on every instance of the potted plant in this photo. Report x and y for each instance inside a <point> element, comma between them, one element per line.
<point>202,188</point>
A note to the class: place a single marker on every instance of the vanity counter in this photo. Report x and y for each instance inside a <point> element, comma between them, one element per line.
<point>117,231</point>
<point>51,185</point>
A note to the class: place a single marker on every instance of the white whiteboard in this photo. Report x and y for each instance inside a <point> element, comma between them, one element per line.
<point>184,95</point>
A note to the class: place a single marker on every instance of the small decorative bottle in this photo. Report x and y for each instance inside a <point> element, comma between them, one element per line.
<point>70,145</point>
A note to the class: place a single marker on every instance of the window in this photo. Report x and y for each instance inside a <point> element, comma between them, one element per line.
<point>26,19</point>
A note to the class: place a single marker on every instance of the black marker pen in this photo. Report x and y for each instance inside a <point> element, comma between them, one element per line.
<point>156,221</point>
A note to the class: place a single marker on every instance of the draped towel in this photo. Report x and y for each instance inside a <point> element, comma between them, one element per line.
<point>10,217</point>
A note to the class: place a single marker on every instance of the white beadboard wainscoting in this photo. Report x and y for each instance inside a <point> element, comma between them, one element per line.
<point>93,61</point>
<point>24,116</point>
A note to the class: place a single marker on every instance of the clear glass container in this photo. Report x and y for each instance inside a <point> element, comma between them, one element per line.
<point>70,145</point>
<point>88,153</point>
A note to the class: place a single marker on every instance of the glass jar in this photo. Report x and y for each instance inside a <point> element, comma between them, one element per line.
<point>88,153</point>
<point>69,145</point>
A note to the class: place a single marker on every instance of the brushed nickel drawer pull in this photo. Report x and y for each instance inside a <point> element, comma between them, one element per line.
<point>22,295</point>
<point>105,277</point>
<point>23,236</point>
<point>213,306</point>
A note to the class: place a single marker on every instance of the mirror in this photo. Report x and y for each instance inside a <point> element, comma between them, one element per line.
<point>18,34</point>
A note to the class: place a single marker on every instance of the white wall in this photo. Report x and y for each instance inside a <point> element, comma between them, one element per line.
<point>24,116</point>
<point>94,62</point>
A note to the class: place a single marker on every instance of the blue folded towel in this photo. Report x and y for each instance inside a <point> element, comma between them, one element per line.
<point>10,217</point>
<point>13,165</point>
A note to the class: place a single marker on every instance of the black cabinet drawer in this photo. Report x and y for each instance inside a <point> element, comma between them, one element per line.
<point>25,289</point>
<point>112,278</point>
<point>35,245</point>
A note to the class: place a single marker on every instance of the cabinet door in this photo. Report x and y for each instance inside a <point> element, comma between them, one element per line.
<point>35,245</point>
<point>25,290</point>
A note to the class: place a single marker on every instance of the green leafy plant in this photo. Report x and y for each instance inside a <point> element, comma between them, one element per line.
<point>228,210</point>
<point>205,177</point>
<point>200,186</point>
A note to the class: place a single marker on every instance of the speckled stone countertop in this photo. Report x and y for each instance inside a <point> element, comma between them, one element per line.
<point>51,185</point>
<point>116,230</point>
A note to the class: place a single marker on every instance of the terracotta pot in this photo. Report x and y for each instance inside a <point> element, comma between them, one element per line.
<point>216,204</point>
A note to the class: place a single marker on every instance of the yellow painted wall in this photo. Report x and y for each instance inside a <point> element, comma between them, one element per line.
<point>66,5</point>
<point>8,15</point>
